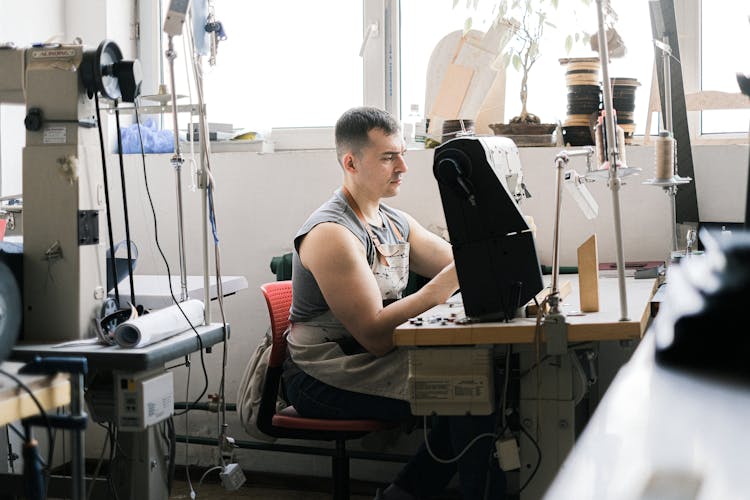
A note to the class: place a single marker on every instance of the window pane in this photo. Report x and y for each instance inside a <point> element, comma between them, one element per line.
<point>546,88</point>
<point>423,24</point>
<point>285,63</point>
<point>725,40</point>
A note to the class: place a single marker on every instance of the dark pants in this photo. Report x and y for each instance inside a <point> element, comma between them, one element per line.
<point>424,477</point>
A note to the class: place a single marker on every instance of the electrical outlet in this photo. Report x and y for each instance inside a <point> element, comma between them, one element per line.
<point>507,454</point>
<point>232,477</point>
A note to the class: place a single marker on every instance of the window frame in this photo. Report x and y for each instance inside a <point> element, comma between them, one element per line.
<point>381,68</point>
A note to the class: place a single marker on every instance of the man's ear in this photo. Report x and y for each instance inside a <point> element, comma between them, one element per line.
<point>348,162</point>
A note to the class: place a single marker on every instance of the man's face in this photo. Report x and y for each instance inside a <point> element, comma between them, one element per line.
<point>381,164</point>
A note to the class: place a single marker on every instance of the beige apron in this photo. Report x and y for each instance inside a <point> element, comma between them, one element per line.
<point>325,350</point>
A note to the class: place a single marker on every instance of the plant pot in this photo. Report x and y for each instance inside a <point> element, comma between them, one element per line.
<point>526,134</point>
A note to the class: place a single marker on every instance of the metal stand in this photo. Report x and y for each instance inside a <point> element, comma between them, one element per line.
<point>612,155</point>
<point>177,162</point>
<point>555,328</point>
<point>669,185</point>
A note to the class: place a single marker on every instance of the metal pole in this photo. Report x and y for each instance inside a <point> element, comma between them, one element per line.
<point>672,192</point>
<point>78,465</point>
<point>612,154</point>
<point>177,162</point>
<point>560,162</point>
<point>203,181</point>
<point>665,54</point>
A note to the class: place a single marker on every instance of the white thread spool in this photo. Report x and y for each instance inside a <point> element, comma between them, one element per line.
<point>664,148</point>
<point>621,146</point>
<point>601,146</point>
<point>601,154</point>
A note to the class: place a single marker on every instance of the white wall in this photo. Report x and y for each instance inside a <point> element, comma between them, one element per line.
<point>22,23</point>
<point>61,21</point>
<point>262,199</point>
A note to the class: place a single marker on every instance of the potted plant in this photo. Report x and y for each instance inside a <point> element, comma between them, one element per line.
<point>527,20</point>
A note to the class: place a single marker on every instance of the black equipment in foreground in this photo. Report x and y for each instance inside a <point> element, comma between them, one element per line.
<point>493,247</point>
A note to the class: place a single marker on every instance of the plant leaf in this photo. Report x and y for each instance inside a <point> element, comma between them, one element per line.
<point>554,3</point>
<point>516,59</point>
<point>568,44</point>
<point>455,2</point>
<point>467,25</point>
<point>505,59</point>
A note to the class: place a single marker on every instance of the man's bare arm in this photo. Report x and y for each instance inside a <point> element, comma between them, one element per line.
<point>337,260</point>
<point>429,253</point>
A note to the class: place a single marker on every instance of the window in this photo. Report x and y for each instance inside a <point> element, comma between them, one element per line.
<point>725,37</point>
<point>295,63</point>
<point>285,63</point>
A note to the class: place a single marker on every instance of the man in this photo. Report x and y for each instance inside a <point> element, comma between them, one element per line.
<point>349,269</point>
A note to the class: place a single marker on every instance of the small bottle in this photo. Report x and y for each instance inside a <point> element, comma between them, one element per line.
<point>410,125</point>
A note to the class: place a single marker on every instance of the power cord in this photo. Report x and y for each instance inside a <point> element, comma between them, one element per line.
<point>166,265</point>
<point>461,454</point>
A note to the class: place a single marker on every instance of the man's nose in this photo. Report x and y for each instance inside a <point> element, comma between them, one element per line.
<point>401,165</point>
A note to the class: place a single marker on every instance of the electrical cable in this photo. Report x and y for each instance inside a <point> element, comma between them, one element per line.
<point>492,458</point>
<point>172,453</point>
<point>461,454</point>
<point>506,381</point>
<point>538,462</point>
<point>166,265</point>
<point>216,467</point>
<point>11,457</point>
<point>581,376</point>
<point>206,157</point>
<point>42,413</point>
<point>114,446</point>
<point>187,426</point>
<point>106,198</point>
<point>98,466</point>
<point>124,206</point>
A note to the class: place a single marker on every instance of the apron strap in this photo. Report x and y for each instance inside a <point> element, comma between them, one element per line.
<point>374,237</point>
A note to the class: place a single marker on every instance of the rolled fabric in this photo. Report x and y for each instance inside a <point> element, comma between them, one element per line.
<point>159,325</point>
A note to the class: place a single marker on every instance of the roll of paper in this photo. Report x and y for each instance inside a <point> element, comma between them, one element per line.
<point>159,325</point>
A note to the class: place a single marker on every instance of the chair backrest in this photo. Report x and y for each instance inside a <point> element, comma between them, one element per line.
<point>278,295</point>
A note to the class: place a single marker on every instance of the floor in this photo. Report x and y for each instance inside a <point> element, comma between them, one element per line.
<point>215,491</point>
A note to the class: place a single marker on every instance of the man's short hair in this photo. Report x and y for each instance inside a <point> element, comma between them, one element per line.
<point>354,125</point>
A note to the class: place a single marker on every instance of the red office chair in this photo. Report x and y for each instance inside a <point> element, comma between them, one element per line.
<point>288,423</point>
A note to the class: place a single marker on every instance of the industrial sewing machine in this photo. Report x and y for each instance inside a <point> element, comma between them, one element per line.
<point>64,279</point>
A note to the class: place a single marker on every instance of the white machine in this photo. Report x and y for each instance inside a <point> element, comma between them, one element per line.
<point>143,399</point>
<point>64,259</point>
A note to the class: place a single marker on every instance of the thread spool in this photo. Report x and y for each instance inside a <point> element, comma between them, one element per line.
<point>664,152</point>
<point>600,142</point>
<point>623,100</point>
<point>621,146</point>
<point>584,97</point>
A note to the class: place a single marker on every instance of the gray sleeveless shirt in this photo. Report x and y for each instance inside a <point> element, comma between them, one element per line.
<point>307,299</point>
<point>318,343</point>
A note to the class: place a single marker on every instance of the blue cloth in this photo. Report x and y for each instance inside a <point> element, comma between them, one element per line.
<point>154,140</point>
<point>422,476</point>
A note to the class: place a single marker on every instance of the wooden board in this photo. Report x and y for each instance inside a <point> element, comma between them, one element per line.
<point>531,307</point>
<point>588,275</point>
<point>15,403</point>
<point>452,91</point>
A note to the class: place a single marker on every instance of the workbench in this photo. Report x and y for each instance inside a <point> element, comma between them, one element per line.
<point>548,403</point>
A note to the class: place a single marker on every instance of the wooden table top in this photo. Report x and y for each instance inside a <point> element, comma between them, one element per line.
<point>439,325</point>
<point>15,403</point>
